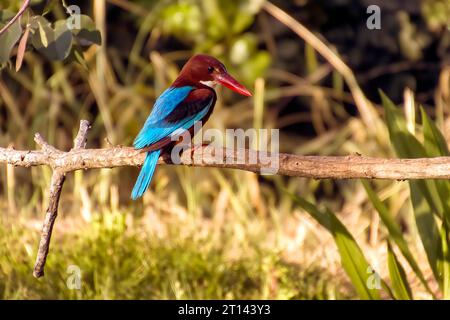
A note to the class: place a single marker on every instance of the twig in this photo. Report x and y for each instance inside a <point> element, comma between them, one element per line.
<point>44,145</point>
<point>57,182</point>
<point>81,138</point>
<point>317,167</point>
<point>24,7</point>
<point>56,185</point>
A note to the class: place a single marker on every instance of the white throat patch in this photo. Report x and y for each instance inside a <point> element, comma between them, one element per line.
<point>210,84</point>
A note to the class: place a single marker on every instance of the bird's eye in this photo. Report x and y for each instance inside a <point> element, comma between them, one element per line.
<point>210,69</point>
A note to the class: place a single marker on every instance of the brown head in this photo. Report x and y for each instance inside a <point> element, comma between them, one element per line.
<point>207,70</point>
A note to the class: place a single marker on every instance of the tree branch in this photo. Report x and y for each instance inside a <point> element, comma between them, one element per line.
<point>56,185</point>
<point>317,167</point>
<point>57,182</point>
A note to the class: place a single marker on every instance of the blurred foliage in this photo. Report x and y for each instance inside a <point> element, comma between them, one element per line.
<point>117,262</point>
<point>218,27</point>
<point>436,13</point>
<point>215,27</point>
<point>57,41</point>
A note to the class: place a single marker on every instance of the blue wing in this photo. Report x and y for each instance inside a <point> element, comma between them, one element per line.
<point>164,105</point>
<point>175,111</point>
<point>175,119</point>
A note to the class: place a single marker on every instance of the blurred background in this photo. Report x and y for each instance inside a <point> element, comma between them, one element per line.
<point>205,232</point>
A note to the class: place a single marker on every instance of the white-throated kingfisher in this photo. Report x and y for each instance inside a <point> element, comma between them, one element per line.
<point>189,99</point>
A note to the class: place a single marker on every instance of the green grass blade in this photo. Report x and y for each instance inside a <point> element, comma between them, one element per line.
<point>424,193</point>
<point>394,232</point>
<point>436,146</point>
<point>434,141</point>
<point>399,282</point>
<point>427,227</point>
<point>405,144</point>
<point>445,262</point>
<point>352,257</point>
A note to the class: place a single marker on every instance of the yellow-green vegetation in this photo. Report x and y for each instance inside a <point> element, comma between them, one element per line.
<point>118,261</point>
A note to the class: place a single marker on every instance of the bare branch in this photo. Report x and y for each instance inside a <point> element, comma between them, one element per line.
<point>56,185</point>
<point>40,141</point>
<point>319,167</point>
<point>81,138</point>
<point>57,182</point>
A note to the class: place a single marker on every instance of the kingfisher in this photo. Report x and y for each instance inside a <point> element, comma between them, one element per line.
<point>190,98</point>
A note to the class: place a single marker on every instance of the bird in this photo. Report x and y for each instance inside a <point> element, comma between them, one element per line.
<point>190,98</point>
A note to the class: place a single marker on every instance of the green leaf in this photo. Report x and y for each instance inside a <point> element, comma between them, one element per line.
<point>242,21</point>
<point>10,37</point>
<point>86,33</point>
<point>424,193</point>
<point>400,285</point>
<point>407,146</point>
<point>436,146</point>
<point>242,16</point>
<point>367,284</point>
<point>394,232</point>
<point>312,62</point>
<point>427,227</point>
<point>404,143</point>
<point>445,261</point>
<point>80,59</point>
<point>434,141</point>
<point>59,39</point>
<point>44,33</point>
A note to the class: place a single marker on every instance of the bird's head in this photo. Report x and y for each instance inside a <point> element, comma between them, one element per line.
<point>209,71</point>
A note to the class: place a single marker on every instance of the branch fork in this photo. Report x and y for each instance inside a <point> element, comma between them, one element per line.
<point>57,182</point>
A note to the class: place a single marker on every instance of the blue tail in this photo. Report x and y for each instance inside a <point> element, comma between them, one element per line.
<point>146,174</point>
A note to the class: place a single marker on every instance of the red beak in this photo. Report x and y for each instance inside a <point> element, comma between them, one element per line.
<point>231,83</point>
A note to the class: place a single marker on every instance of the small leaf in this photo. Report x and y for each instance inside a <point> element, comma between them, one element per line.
<point>400,286</point>
<point>36,20</point>
<point>9,38</point>
<point>43,35</point>
<point>49,6</point>
<point>427,227</point>
<point>79,57</point>
<point>405,144</point>
<point>21,49</point>
<point>445,261</point>
<point>435,144</point>
<point>86,32</point>
<point>60,41</point>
